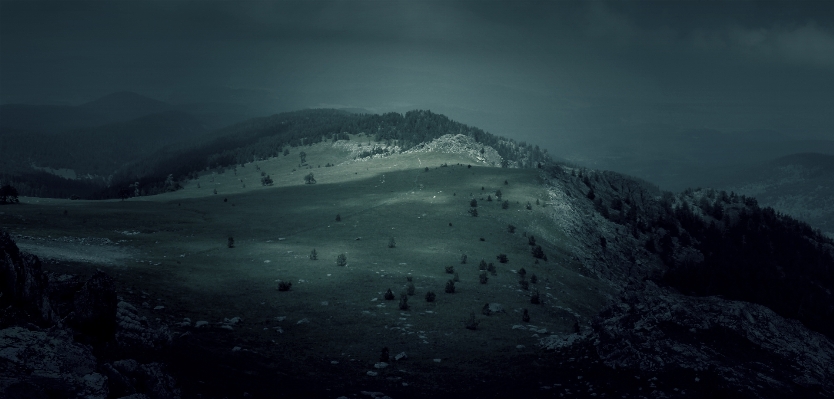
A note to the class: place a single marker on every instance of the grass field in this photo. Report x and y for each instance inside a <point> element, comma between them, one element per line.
<point>334,321</point>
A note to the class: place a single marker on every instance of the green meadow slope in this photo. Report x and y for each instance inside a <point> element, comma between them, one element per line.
<point>171,250</point>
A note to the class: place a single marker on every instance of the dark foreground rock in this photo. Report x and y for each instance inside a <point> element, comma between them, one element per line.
<point>732,347</point>
<point>74,338</point>
<point>23,286</point>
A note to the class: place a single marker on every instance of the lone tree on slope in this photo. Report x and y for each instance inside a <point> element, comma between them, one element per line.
<point>303,156</point>
<point>309,179</point>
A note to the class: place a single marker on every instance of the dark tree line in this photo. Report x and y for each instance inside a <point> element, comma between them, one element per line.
<point>750,253</point>
<point>262,138</point>
<point>252,140</point>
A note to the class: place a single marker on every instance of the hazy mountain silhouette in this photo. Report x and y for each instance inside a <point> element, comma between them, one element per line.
<point>800,185</point>
<point>125,105</point>
<point>692,158</point>
<point>97,151</point>
<point>46,118</point>
<point>112,108</point>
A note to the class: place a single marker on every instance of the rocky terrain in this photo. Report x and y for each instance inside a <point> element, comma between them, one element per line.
<point>699,346</point>
<point>62,336</point>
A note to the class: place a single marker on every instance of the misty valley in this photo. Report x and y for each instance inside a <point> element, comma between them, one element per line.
<point>159,251</point>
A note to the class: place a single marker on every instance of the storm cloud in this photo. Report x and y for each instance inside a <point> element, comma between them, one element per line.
<point>565,75</point>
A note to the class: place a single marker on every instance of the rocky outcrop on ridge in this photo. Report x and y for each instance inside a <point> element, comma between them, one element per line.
<point>461,144</point>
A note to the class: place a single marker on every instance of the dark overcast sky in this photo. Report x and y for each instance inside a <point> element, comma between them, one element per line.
<point>546,72</point>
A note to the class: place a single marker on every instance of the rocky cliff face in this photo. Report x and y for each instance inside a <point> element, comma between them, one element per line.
<point>707,346</point>
<point>51,326</point>
<point>23,285</point>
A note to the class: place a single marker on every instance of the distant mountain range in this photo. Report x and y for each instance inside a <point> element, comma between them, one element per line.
<point>800,185</point>
<point>112,108</point>
<point>131,136</point>
<point>693,158</point>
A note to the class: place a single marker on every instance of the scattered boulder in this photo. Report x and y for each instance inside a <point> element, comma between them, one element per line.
<point>654,330</point>
<point>39,362</point>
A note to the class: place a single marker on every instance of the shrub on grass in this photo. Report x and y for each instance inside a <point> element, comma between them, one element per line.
<point>534,298</point>
<point>505,205</point>
<point>483,278</point>
<point>457,277</point>
<point>314,255</point>
<point>338,217</point>
<point>450,287</point>
<point>430,296</point>
<point>491,269</point>
<point>284,285</point>
<point>489,198</point>
<point>498,195</point>
<point>473,212</point>
<point>525,317</point>
<point>485,310</point>
<point>409,278</point>
<point>341,260</point>
<point>403,301</point>
<point>392,243</point>
<point>482,265</point>
<point>538,253</point>
<point>473,203</point>
<point>450,269</point>
<point>534,279</point>
<point>389,295</point>
<point>522,272</point>
<point>410,288</point>
<point>531,240</point>
<point>463,259</point>
<point>524,284</point>
<point>528,206</point>
<point>502,258</point>
<point>231,242</point>
<point>309,179</point>
<point>472,322</point>
<point>510,229</point>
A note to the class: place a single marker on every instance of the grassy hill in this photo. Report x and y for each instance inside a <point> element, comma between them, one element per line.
<point>627,274</point>
<point>171,250</point>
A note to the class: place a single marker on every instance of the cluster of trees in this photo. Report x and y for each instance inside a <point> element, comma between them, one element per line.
<point>750,253</point>
<point>262,138</point>
<point>258,138</point>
